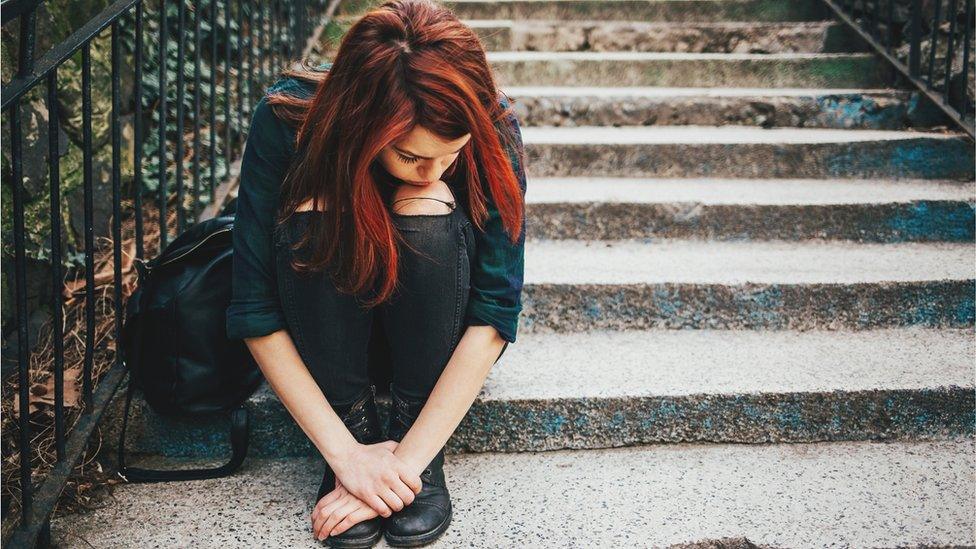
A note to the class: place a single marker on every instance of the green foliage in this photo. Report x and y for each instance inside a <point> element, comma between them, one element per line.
<point>58,19</point>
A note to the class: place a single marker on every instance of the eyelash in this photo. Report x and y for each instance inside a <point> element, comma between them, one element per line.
<point>406,159</point>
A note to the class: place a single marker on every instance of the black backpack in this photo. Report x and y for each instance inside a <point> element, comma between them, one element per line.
<point>176,348</point>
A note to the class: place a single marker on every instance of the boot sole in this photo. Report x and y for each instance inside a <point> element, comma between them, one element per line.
<point>360,543</point>
<point>419,539</point>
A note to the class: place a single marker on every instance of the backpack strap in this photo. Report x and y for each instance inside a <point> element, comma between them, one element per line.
<point>239,422</point>
<point>238,441</point>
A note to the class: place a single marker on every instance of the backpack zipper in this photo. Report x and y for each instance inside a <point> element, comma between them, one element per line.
<point>194,248</point>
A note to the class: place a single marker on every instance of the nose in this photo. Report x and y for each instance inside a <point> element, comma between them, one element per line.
<point>432,172</point>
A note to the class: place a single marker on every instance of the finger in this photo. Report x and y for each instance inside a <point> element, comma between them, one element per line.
<point>412,480</point>
<point>318,525</point>
<point>338,516</point>
<point>378,505</point>
<point>327,510</point>
<point>405,493</point>
<point>363,512</point>
<point>329,498</point>
<point>392,499</point>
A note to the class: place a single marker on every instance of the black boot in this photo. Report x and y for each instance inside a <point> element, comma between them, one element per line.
<point>429,515</point>
<point>363,422</point>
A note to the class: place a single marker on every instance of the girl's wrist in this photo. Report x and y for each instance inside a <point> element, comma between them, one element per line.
<point>340,450</point>
<point>412,458</point>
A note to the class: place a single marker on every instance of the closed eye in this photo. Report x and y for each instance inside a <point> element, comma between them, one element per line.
<point>406,159</point>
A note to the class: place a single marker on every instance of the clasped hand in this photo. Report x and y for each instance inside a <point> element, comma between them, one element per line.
<point>370,480</point>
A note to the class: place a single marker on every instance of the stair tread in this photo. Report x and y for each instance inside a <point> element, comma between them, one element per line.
<point>728,191</point>
<point>481,23</point>
<point>687,362</point>
<point>784,495</point>
<point>676,135</point>
<point>522,55</point>
<point>665,92</point>
<point>673,363</point>
<point>738,262</point>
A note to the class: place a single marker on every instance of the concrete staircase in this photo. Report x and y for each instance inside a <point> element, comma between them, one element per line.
<point>738,234</point>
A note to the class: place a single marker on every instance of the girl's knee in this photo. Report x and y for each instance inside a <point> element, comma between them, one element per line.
<point>431,199</point>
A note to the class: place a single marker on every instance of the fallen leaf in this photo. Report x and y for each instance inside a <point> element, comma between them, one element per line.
<point>42,394</point>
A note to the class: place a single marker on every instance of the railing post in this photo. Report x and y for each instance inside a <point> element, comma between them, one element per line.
<point>915,39</point>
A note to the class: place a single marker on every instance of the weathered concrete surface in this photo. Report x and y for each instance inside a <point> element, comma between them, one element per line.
<point>600,389</point>
<point>748,305</point>
<point>722,37</point>
<point>799,495</point>
<point>604,208</point>
<point>775,262</point>
<point>635,10</point>
<point>786,70</point>
<point>917,222</point>
<point>737,151</point>
<point>731,192</point>
<point>779,107</point>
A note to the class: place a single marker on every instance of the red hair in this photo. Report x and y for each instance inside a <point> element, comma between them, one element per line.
<point>404,63</point>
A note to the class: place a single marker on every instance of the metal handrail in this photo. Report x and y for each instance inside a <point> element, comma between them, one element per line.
<point>960,114</point>
<point>262,45</point>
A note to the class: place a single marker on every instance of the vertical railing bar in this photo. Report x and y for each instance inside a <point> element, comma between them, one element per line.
<point>163,123</point>
<point>250,57</point>
<point>915,39</point>
<point>262,50</point>
<point>57,282</point>
<point>28,28</point>
<point>116,130</point>
<point>966,37</point>
<point>875,18</point>
<point>213,101</point>
<point>933,42</point>
<point>180,91</point>
<point>951,14</point>
<point>197,16</point>
<point>138,130</point>
<point>23,336</point>
<point>273,28</point>
<point>890,26</point>
<point>240,72</point>
<point>227,83</point>
<point>86,108</point>
<point>302,17</point>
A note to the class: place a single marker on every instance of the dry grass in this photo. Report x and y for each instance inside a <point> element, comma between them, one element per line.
<point>91,479</point>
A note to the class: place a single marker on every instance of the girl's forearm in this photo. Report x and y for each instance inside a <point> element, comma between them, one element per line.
<point>290,379</point>
<point>452,396</point>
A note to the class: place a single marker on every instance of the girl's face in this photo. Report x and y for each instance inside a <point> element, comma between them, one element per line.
<point>420,157</point>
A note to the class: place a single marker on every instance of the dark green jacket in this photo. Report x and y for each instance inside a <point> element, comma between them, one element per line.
<point>255,310</point>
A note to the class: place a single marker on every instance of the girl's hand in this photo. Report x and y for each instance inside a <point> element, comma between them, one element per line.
<point>338,511</point>
<point>378,477</point>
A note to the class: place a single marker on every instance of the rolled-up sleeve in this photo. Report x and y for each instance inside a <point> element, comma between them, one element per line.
<point>255,309</point>
<point>498,270</point>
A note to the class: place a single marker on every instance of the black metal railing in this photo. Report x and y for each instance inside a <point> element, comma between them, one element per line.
<point>226,52</point>
<point>930,42</point>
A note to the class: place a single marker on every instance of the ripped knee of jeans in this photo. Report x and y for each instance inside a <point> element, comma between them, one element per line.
<point>433,199</point>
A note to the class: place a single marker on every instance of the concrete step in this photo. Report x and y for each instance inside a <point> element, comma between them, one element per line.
<point>880,109</point>
<point>743,151</point>
<point>635,10</point>
<point>606,208</point>
<point>772,285</point>
<point>853,494</point>
<point>720,37</point>
<point>600,389</point>
<point>720,70</point>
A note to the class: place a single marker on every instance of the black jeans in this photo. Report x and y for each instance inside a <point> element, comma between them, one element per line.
<point>422,323</point>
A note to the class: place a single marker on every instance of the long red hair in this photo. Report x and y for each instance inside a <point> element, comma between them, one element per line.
<point>404,63</point>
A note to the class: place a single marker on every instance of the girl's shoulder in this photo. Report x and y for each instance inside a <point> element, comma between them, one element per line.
<point>293,85</point>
